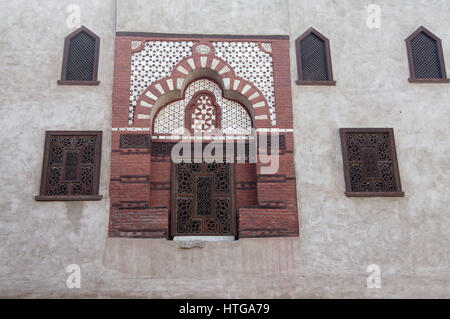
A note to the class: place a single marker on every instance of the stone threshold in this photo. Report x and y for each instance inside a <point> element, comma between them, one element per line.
<point>200,241</point>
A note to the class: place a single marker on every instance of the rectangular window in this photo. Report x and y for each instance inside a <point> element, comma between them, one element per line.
<point>71,167</point>
<point>370,162</point>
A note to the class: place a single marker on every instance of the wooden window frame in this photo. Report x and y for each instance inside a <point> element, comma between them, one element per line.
<point>174,195</point>
<point>94,80</point>
<point>300,80</point>
<point>347,178</point>
<point>132,140</point>
<point>45,165</point>
<point>412,74</point>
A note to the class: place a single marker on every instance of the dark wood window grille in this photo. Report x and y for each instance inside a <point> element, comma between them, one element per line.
<point>203,200</point>
<point>80,60</point>
<point>313,59</point>
<point>425,57</point>
<point>370,162</point>
<point>71,167</point>
<point>134,141</point>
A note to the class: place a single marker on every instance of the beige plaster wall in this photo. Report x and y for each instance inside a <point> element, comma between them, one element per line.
<point>339,236</point>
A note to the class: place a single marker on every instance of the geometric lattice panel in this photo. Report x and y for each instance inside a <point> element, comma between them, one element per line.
<point>203,199</point>
<point>425,56</point>
<point>71,165</point>
<point>313,58</point>
<point>155,61</point>
<point>158,58</point>
<point>81,58</point>
<point>251,63</point>
<point>370,162</point>
<point>234,118</point>
<point>134,141</point>
<point>203,115</point>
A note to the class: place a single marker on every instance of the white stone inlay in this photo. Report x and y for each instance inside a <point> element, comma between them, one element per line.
<point>287,130</point>
<point>203,49</point>
<point>249,62</point>
<point>155,61</point>
<point>145,104</point>
<point>182,69</point>
<point>170,84</point>
<point>267,46</point>
<point>253,96</point>
<point>179,83</point>
<point>226,83</point>
<point>150,95</point>
<point>135,44</point>
<point>135,129</point>
<point>159,88</point>
<point>224,70</point>
<point>203,60</point>
<point>214,64</point>
<point>259,104</point>
<point>245,89</point>
<point>191,63</point>
<point>204,238</point>
<point>236,84</point>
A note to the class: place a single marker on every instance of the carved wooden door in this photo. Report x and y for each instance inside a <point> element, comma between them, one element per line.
<point>203,199</point>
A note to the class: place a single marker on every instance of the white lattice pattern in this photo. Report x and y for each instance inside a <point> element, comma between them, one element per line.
<point>170,120</point>
<point>235,119</point>
<point>252,64</point>
<point>155,61</point>
<point>267,46</point>
<point>158,58</point>
<point>203,115</point>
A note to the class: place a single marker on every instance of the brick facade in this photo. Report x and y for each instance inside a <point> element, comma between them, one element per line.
<point>140,186</point>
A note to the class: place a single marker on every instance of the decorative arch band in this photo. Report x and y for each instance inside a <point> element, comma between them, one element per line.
<point>200,65</point>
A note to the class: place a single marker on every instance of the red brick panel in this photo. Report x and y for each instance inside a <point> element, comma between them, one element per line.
<point>121,88</point>
<point>140,183</point>
<point>245,184</point>
<point>257,222</point>
<point>152,222</point>
<point>282,83</point>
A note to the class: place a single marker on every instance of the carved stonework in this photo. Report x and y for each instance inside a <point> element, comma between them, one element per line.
<point>203,49</point>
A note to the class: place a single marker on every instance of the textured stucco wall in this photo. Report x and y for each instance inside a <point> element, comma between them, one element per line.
<point>39,239</point>
<point>339,236</point>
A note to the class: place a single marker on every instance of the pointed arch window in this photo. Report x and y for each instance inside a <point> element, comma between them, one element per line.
<point>313,59</point>
<point>80,59</point>
<point>202,109</point>
<point>425,57</point>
